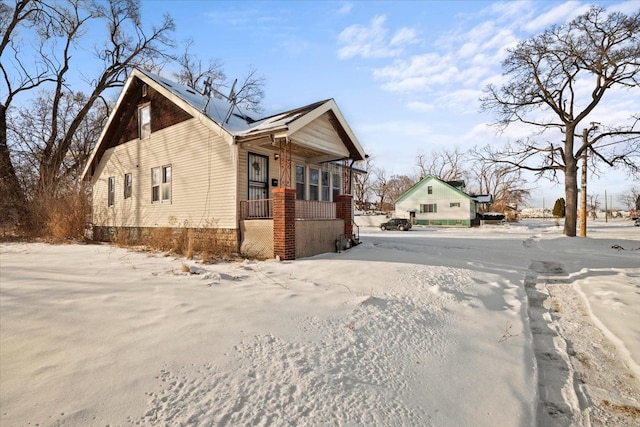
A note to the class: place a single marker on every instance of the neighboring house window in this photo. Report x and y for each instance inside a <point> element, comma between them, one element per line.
<point>128,185</point>
<point>111,191</point>
<point>429,190</point>
<point>325,185</point>
<point>429,208</point>
<point>161,184</point>
<point>454,204</point>
<point>314,178</point>
<point>335,185</point>
<point>300,182</point>
<point>144,118</point>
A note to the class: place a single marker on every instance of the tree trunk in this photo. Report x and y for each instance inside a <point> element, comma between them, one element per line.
<point>13,204</point>
<point>570,185</point>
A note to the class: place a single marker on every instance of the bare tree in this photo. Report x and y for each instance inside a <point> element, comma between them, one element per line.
<point>446,165</point>
<point>193,73</point>
<point>380,186</point>
<point>397,185</point>
<point>362,183</point>
<point>251,90</point>
<point>630,198</point>
<point>548,74</point>
<point>504,182</point>
<point>56,29</point>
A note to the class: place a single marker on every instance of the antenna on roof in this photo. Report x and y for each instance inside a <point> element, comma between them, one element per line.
<point>232,100</point>
<point>207,92</point>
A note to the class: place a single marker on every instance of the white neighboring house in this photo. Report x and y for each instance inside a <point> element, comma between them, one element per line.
<point>434,202</point>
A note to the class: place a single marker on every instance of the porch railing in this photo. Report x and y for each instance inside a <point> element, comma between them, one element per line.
<point>256,209</point>
<point>305,209</point>
<point>312,209</point>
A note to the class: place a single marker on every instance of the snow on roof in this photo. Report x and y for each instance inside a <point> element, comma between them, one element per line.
<point>216,109</point>
<point>241,121</point>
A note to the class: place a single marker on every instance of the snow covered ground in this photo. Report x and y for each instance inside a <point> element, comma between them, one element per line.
<point>510,325</point>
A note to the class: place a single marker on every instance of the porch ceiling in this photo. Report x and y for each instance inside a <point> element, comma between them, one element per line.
<point>311,155</point>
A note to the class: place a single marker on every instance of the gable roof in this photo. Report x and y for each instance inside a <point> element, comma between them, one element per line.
<point>233,123</point>
<point>423,182</point>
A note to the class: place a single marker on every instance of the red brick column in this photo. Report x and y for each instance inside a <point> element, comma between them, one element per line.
<point>344,211</point>
<point>284,223</point>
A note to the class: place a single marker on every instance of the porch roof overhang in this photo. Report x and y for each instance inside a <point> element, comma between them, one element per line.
<point>291,126</point>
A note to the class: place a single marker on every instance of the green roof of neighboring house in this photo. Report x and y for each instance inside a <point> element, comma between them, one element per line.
<point>422,182</point>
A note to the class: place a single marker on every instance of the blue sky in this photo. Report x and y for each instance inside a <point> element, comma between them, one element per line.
<point>407,75</point>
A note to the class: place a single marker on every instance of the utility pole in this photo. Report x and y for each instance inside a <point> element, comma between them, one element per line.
<point>583,182</point>
<point>606,213</point>
<point>583,189</point>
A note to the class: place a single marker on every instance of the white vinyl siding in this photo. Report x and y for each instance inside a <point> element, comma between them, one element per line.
<point>203,181</point>
<point>320,135</point>
<point>435,200</point>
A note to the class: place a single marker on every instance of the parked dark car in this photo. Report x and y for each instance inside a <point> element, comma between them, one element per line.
<point>396,224</point>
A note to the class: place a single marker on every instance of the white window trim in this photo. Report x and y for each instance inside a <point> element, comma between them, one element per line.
<point>161,184</point>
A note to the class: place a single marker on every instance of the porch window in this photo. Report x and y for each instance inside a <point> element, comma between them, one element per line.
<point>429,208</point>
<point>314,178</point>
<point>300,182</point>
<point>335,185</point>
<point>144,120</point>
<point>325,185</point>
<point>128,185</point>
<point>161,184</point>
<point>111,191</point>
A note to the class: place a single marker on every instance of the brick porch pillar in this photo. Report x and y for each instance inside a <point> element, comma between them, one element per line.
<point>344,211</point>
<point>284,223</point>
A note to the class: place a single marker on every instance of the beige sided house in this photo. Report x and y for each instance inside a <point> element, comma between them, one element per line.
<point>172,158</point>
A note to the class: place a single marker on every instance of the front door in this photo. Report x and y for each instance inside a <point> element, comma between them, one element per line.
<point>258,174</point>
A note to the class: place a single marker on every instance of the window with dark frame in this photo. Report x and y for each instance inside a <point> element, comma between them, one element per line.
<point>128,185</point>
<point>454,204</point>
<point>429,189</point>
<point>111,191</point>
<point>300,182</point>
<point>429,208</point>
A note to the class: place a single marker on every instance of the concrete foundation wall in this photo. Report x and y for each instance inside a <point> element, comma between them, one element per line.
<point>315,237</point>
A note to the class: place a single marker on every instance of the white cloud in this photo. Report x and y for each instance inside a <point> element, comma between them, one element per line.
<point>420,107</point>
<point>372,41</point>
<point>556,15</point>
<point>404,36</point>
<point>345,9</point>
